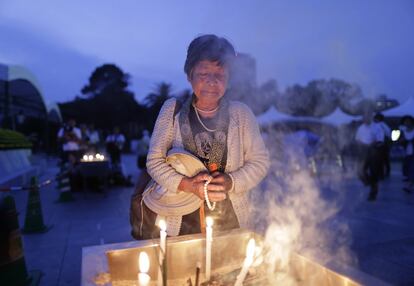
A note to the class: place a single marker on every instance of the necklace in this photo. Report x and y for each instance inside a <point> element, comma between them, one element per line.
<point>206,111</point>
<point>201,122</point>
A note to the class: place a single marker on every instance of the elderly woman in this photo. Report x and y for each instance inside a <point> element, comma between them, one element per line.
<point>222,134</point>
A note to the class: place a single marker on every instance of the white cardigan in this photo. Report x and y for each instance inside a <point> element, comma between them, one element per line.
<point>247,156</point>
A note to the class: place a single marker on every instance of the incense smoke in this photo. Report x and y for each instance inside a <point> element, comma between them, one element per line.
<point>296,212</point>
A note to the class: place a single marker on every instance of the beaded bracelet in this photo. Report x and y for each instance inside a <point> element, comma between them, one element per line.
<point>209,205</point>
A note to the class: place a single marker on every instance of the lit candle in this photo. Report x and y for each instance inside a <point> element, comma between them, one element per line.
<point>85,157</point>
<point>90,157</point>
<point>144,264</point>
<point>248,261</point>
<point>162,255</point>
<point>209,241</point>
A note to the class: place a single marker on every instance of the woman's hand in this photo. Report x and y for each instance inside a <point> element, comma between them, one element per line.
<point>195,185</point>
<point>221,182</point>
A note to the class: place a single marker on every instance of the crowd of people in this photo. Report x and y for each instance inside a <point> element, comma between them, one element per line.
<point>374,141</point>
<point>76,142</point>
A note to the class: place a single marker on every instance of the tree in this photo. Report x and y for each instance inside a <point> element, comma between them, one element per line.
<point>107,76</point>
<point>319,97</point>
<point>105,101</point>
<point>154,102</point>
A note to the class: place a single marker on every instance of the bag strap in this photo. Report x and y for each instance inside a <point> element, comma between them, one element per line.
<point>177,108</point>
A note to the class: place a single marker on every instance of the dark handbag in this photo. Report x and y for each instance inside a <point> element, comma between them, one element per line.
<point>141,218</point>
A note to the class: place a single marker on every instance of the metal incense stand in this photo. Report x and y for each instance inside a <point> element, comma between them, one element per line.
<point>184,252</point>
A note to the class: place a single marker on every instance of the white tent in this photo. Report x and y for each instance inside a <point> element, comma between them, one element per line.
<point>271,116</point>
<point>407,108</point>
<point>338,117</point>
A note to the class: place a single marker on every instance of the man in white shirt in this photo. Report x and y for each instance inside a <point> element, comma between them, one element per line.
<point>69,136</point>
<point>94,139</point>
<point>370,137</point>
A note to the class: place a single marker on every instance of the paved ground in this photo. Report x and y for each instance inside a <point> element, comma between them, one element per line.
<point>382,232</point>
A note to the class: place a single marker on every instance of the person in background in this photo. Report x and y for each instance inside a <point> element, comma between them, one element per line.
<point>114,145</point>
<point>407,139</point>
<point>94,139</point>
<point>142,150</point>
<point>70,137</point>
<point>370,138</point>
<point>385,150</point>
<point>84,143</point>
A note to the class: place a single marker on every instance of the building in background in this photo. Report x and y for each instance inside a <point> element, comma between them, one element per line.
<point>23,109</point>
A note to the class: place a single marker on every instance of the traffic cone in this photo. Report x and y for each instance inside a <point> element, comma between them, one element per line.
<point>33,222</point>
<point>63,184</point>
<point>13,269</point>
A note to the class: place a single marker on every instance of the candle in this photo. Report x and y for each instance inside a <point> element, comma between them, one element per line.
<point>162,255</point>
<point>248,261</point>
<point>209,241</point>
<point>144,264</point>
<point>197,277</point>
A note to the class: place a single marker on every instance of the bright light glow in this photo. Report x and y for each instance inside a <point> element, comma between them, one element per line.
<point>90,157</point>
<point>395,135</point>
<point>98,156</point>
<point>251,247</point>
<point>85,157</point>
<point>162,225</point>
<point>209,221</point>
<point>144,262</point>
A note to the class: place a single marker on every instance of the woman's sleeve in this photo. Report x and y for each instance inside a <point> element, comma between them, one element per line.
<point>160,143</point>
<point>256,155</point>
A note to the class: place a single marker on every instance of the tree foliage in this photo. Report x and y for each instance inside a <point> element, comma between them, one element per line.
<point>319,98</point>
<point>106,101</point>
<point>154,101</point>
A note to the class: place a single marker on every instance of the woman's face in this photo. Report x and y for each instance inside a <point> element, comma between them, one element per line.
<point>209,81</point>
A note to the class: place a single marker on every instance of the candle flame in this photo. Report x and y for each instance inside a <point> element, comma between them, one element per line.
<point>85,157</point>
<point>90,157</point>
<point>144,263</point>
<point>209,221</point>
<point>162,225</point>
<point>251,247</point>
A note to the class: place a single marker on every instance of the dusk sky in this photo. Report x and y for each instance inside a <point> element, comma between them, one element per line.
<point>370,43</point>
